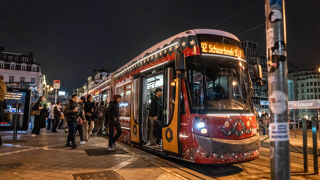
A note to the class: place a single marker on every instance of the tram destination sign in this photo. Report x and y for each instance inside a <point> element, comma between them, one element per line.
<point>220,48</point>
<point>304,104</point>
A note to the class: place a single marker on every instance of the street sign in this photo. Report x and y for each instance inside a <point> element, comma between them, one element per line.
<point>56,84</point>
<point>304,104</point>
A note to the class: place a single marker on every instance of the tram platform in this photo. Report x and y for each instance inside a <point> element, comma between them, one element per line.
<point>47,158</point>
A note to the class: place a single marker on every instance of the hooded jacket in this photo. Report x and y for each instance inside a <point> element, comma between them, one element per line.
<point>113,111</point>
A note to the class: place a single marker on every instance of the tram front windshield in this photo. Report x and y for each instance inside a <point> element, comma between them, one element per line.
<point>218,84</point>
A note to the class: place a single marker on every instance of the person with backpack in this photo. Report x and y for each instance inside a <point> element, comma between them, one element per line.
<point>113,119</point>
<point>73,112</point>
<point>100,117</point>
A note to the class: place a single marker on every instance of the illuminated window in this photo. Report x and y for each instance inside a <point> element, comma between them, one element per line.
<point>23,67</point>
<point>1,65</point>
<point>12,66</point>
<point>124,106</point>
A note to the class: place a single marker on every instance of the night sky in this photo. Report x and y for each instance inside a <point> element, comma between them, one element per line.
<point>70,38</point>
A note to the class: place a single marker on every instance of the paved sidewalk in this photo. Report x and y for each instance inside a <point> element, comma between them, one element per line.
<point>47,158</point>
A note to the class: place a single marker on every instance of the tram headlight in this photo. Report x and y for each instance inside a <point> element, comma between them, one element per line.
<point>204,131</point>
<point>200,126</point>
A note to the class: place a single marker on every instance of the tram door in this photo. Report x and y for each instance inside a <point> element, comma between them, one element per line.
<point>171,128</point>
<point>134,118</point>
<point>150,83</point>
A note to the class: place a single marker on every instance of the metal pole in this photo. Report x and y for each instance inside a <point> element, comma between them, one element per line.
<point>278,91</point>
<point>305,144</point>
<point>315,146</point>
<point>55,96</point>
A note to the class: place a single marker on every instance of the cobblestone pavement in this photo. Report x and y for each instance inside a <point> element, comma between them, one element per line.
<point>47,158</point>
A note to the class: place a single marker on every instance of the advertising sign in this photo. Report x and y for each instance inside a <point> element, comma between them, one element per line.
<point>61,93</point>
<point>56,84</point>
<point>18,105</point>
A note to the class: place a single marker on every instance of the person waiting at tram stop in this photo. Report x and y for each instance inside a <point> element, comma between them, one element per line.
<point>57,115</point>
<point>264,120</point>
<point>155,118</point>
<point>50,120</point>
<point>40,118</point>
<point>100,117</point>
<point>113,121</point>
<point>74,114</point>
<point>89,108</point>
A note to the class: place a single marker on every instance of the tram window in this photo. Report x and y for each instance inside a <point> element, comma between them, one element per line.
<point>169,95</point>
<point>124,105</point>
<point>196,80</point>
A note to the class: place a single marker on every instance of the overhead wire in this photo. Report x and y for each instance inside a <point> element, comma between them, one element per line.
<point>263,24</point>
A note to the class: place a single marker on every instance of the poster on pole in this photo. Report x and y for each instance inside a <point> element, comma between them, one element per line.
<point>56,84</point>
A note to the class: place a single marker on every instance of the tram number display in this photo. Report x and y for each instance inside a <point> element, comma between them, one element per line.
<point>220,48</point>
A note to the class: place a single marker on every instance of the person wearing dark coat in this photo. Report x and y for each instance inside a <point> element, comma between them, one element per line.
<point>89,108</point>
<point>56,114</point>
<point>113,119</point>
<point>74,115</point>
<point>155,118</point>
<point>40,120</point>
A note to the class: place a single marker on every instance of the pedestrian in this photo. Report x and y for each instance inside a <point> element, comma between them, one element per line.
<point>100,114</point>
<point>51,116</point>
<point>264,122</point>
<point>73,112</point>
<point>3,92</point>
<point>81,121</point>
<point>57,111</point>
<point>40,111</point>
<point>155,118</point>
<point>89,108</point>
<point>113,115</point>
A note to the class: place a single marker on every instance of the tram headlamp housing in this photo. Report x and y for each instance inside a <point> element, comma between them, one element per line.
<point>200,126</point>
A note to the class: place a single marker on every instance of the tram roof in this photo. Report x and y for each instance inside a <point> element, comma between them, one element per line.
<point>187,33</point>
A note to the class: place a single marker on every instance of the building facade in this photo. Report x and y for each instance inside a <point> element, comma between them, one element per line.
<point>21,71</point>
<point>253,57</point>
<point>307,87</point>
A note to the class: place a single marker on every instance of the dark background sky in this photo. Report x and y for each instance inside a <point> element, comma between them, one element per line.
<point>69,38</point>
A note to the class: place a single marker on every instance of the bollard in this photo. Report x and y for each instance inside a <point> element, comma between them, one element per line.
<point>305,145</point>
<point>315,146</point>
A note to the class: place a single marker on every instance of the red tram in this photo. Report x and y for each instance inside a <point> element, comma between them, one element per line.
<point>207,107</point>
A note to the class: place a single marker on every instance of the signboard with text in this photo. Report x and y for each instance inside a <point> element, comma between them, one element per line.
<point>304,104</point>
<point>56,84</point>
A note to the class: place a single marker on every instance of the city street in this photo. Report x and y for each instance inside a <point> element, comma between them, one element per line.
<point>47,157</point>
<point>159,90</point>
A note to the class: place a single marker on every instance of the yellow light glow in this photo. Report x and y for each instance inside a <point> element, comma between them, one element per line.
<point>220,48</point>
<point>234,83</point>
